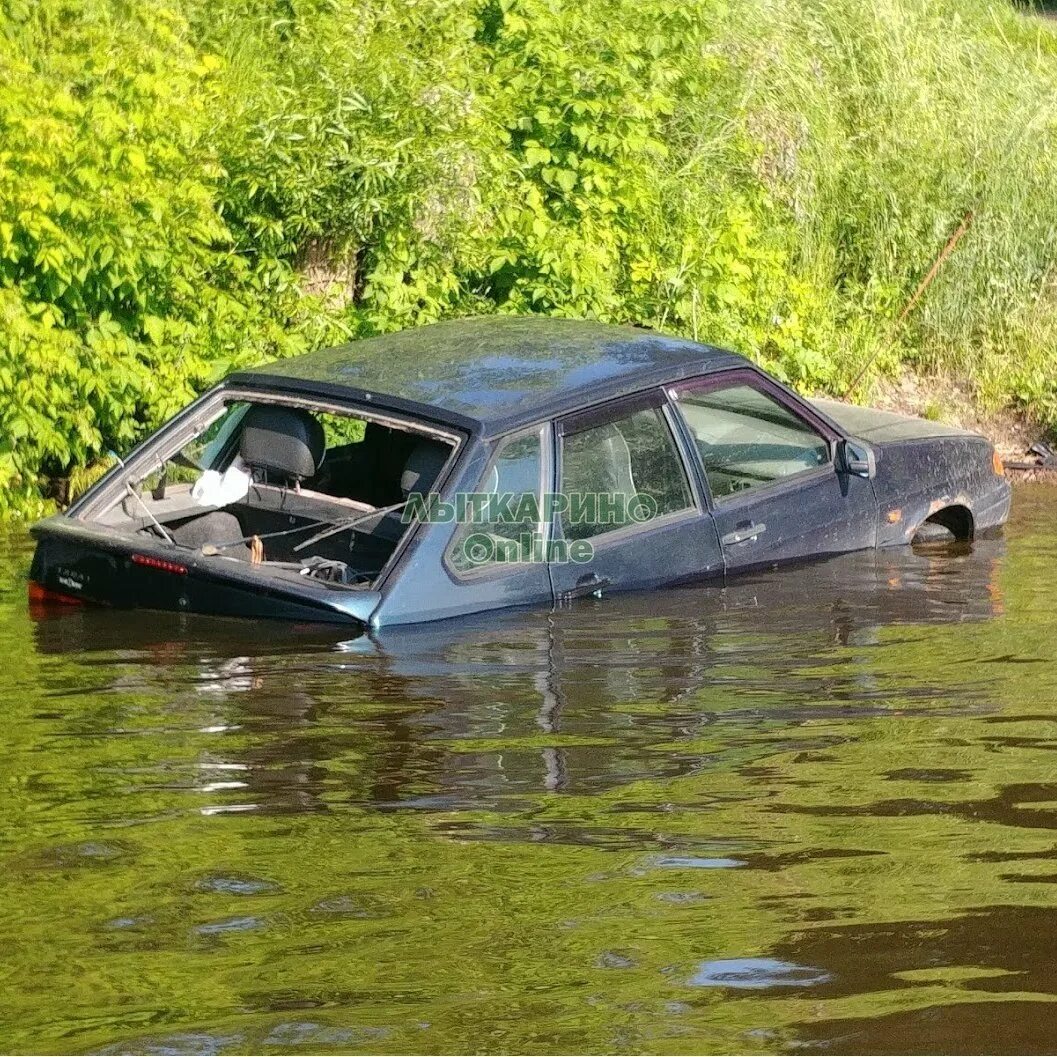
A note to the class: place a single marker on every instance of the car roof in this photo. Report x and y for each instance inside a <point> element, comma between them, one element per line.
<point>495,373</point>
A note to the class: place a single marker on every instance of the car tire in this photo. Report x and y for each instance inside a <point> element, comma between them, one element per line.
<point>933,532</point>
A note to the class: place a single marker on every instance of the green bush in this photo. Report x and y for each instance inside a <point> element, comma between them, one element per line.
<point>121,289</point>
<point>187,189</point>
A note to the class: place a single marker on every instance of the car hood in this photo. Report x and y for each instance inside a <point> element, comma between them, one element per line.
<point>873,425</point>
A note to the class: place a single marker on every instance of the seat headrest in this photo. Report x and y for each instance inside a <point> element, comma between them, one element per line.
<point>283,440</point>
<point>422,466</point>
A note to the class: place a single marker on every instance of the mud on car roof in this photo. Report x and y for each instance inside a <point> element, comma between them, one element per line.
<point>496,373</point>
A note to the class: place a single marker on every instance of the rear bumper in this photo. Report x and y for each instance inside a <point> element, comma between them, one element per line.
<point>81,562</point>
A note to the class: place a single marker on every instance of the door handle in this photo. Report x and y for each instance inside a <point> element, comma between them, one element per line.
<point>744,533</point>
<point>590,584</point>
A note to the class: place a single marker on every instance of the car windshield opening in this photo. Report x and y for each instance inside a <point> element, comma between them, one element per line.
<point>293,489</point>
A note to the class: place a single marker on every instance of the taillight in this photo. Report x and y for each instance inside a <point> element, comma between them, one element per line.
<point>158,563</point>
<point>45,596</point>
<point>997,464</point>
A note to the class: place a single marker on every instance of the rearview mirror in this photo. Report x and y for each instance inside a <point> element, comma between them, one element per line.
<point>857,458</point>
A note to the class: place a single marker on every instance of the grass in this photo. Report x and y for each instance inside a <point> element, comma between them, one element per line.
<point>912,115</point>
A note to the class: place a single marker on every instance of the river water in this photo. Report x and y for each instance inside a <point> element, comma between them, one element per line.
<point>812,811</point>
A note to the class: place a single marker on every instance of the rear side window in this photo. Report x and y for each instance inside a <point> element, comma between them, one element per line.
<point>747,439</point>
<point>619,473</point>
<point>506,525</point>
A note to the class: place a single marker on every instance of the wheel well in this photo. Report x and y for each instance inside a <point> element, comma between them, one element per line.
<point>958,520</point>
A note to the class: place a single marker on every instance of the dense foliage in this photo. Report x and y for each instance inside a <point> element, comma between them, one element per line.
<point>188,188</point>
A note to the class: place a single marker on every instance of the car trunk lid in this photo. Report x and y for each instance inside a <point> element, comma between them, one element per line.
<point>77,561</point>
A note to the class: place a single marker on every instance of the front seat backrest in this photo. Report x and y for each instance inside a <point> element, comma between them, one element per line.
<point>283,441</point>
<point>423,466</point>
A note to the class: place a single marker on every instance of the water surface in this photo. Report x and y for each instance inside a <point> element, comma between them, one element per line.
<point>812,811</point>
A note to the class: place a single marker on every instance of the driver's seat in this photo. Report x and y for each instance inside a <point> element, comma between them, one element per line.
<point>281,445</point>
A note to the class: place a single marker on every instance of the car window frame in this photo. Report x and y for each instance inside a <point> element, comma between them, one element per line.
<point>495,570</point>
<point>613,410</point>
<point>759,381</point>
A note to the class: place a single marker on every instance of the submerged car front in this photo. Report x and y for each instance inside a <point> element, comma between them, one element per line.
<point>927,474</point>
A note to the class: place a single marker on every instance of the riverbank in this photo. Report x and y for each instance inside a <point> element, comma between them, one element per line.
<point>943,399</point>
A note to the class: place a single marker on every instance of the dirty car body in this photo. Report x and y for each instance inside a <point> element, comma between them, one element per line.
<point>374,484</point>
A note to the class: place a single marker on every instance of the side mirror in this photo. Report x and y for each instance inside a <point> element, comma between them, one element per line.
<point>857,458</point>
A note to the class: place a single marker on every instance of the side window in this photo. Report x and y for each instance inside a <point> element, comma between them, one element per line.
<point>207,448</point>
<point>203,452</point>
<point>622,472</point>
<point>747,439</point>
<point>502,522</point>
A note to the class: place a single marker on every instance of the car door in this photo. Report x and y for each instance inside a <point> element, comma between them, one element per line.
<point>769,464</point>
<point>627,513</point>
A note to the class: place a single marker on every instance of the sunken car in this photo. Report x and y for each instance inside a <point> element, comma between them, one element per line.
<point>488,463</point>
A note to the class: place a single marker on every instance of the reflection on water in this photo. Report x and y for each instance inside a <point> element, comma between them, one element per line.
<point>756,974</point>
<point>813,810</point>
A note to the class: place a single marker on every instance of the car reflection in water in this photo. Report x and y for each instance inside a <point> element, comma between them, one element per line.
<point>487,712</point>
